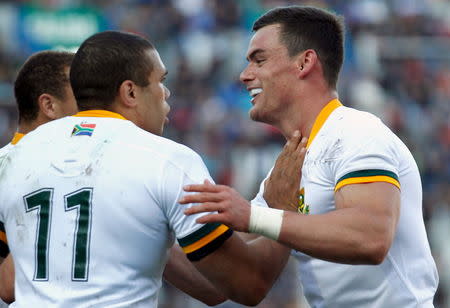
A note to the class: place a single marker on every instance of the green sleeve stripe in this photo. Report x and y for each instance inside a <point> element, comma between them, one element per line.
<point>369,172</point>
<point>199,234</point>
<point>4,249</point>
<point>210,247</point>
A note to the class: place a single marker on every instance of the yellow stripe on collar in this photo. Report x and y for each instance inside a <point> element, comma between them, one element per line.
<point>16,138</point>
<point>321,118</point>
<point>99,114</point>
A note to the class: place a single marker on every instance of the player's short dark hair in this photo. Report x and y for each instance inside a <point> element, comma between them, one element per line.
<point>304,27</point>
<point>103,62</point>
<point>43,72</point>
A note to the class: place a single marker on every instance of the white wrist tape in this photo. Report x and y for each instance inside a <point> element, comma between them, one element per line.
<point>265,221</point>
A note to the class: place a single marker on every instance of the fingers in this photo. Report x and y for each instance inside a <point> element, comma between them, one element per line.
<point>293,151</point>
<point>302,144</point>
<point>294,140</point>
<point>200,198</point>
<point>204,207</point>
<point>207,186</point>
<point>207,182</point>
<point>302,148</point>
<point>211,218</point>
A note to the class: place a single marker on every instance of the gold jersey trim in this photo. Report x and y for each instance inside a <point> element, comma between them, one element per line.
<point>321,118</point>
<point>16,138</point>
<point>99,114</point>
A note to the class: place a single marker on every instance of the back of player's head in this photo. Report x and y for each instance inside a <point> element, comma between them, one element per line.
<point>43,72</point>
<point>303,28</point>
<point>103,62</point>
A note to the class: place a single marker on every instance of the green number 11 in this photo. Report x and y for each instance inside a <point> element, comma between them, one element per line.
<point>80,200</point>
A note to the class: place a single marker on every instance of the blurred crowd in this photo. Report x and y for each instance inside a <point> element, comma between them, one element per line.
<point>397,66</point>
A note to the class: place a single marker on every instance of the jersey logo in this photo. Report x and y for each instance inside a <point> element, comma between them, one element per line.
<point>302,207</point>
<point>83,129</point>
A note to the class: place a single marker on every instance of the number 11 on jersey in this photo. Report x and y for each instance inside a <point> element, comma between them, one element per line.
<point>42,202</point>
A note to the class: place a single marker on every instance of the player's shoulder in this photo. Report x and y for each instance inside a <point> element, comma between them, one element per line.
<point>4,154</point>
<point>357,125</point>
<point>5,149</point>
<point>42,134</point>
<point>349,117</point>
<point>159,147</point>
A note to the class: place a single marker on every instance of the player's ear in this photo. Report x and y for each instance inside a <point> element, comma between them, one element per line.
<point>305,62</point>
<point>128,92</point>
<point>47,106</point>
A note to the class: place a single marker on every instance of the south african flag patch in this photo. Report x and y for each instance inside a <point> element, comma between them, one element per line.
<point>83,129</point>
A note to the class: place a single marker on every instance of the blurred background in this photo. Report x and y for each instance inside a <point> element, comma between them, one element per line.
<point>397,66</point>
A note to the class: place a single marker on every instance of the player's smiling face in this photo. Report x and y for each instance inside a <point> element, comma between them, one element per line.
<point>153,106</point>
<point>269,75</point>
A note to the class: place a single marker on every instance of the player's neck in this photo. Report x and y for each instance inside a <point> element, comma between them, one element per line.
<point>27,126</point>
<point>305,114</point>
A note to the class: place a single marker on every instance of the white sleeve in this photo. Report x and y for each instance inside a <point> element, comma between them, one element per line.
<point>367,157</point>
<point>197,240</point>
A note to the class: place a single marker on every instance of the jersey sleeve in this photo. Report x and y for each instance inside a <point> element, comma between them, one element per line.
<point>4,249</point>
<point>196,240</point>
<point>368,158</point>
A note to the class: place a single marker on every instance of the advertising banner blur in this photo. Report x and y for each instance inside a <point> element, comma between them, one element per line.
<point>49,28</point>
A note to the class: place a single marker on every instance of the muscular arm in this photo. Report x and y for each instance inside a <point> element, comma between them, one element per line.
<point>7,280</point>
<point>254,264</point>
<point>359,231</point>
<point>182,274</point>
<point>245,272</point>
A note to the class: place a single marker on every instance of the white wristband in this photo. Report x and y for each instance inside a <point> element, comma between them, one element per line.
<point>265,221</point>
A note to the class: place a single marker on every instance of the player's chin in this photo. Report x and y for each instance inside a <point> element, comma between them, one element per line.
<point>255,114</point>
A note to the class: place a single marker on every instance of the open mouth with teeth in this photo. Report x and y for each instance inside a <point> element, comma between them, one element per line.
<point>255,92</point>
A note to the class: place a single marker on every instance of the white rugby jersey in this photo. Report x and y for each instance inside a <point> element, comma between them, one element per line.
<point>91,214</point>
<point>4,250</point>
<point>348,146</point>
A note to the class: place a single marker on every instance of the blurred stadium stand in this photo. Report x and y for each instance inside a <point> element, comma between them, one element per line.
<point>397,66</point>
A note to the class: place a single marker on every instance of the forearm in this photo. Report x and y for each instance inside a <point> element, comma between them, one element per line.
<point>271,256</point>
<point>245,272</point>
<point>7,280</point>
<point>350,235</point>
<point>359,231</point>
<point>181,273</point>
